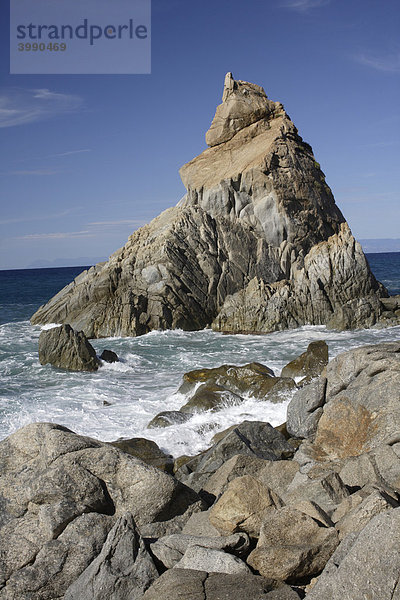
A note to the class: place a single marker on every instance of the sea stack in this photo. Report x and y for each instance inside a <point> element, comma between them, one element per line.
<point>256,245</point>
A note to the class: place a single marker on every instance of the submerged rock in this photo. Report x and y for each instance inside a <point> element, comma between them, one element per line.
<point>210,396</point>
<point>254,380</point>
<point>257,244</point>
<point>109,356</point>
<point>167,418</point>
<point>65,348</point>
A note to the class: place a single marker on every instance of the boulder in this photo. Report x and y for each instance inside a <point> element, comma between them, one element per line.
<point>292,545</point>
<point>252,438</point>
<point>167,418</point>
<point>170,549</point>
<point>200,558</point>
<point>361,411</point>
<point>109,356</point>
<point>276,475</point>
<point>305,409</point>
<point>365,565</point>
<point>182,584</point>
<point>392,303</point>
<point>34,566</point>
<point>157,529</point>
<point>257,243</point>
<point>326,490</point>
<point>254,380</point>
<point>243,506</point>
<point>147,451</point>
<point>123,569</point>
<point>210,396</point>
<point>358,471</point>
<point>310,364</point>
<point>199,525</point>
<point>65,348</point>
<point>61,494</point>
<point>358,516</point>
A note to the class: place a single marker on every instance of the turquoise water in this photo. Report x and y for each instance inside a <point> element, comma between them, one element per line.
<point>145,381</point>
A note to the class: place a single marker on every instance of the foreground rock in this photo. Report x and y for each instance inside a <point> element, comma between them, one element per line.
<point>257,244</point>
<point>182,584</point>
<point>243,506</point>
<point>61,494</point>
<point>292,545</point>
<point>170,549</point>
<point>65,348</point>
<point>123,569</point>
<point>147,451</point>
<point>366,565</point>
<point>361,409</point>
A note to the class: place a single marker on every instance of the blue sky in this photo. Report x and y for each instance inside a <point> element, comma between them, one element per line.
<point>86,159</point>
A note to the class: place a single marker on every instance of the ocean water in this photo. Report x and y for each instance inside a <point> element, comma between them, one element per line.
<point>145,382</point>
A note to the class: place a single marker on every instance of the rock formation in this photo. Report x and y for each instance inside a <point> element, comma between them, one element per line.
<point>65,348</point>
<point>257,244</point>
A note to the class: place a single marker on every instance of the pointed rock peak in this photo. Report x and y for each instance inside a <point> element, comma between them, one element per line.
<point>229,86</point>
<point>243,104</point>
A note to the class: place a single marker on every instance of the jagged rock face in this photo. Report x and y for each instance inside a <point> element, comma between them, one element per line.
<point>257,243</point>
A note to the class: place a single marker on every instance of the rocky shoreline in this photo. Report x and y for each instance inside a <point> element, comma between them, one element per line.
<point>306,510</point>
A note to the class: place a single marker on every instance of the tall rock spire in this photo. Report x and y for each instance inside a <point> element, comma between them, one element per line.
<point>257,244</point>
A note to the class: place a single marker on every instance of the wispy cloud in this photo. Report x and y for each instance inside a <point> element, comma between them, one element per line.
<point>69,153</point>
<point>136,222</point>
<point>387,64</point>
<point>20,107</point>
<point>93,229</point>
<point>304,5</point>
<point>62,235</point>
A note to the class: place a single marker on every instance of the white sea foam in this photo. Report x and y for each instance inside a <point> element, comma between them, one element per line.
<point>144,383</point>
<point>49,326</point>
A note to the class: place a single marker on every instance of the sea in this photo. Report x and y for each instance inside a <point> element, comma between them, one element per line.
<point>120,399</point>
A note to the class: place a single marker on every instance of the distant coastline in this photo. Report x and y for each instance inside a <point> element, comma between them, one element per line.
<point>373,246</point>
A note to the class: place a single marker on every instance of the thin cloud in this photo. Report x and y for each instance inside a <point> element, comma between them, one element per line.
<point>304,5</point>
<point>20,107</point>
<point>385,64</point>
<point>92,230</point>
<point>117,223</point>
<point>70,153</point>
<point>59,215</point>
<point>62,235</point>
